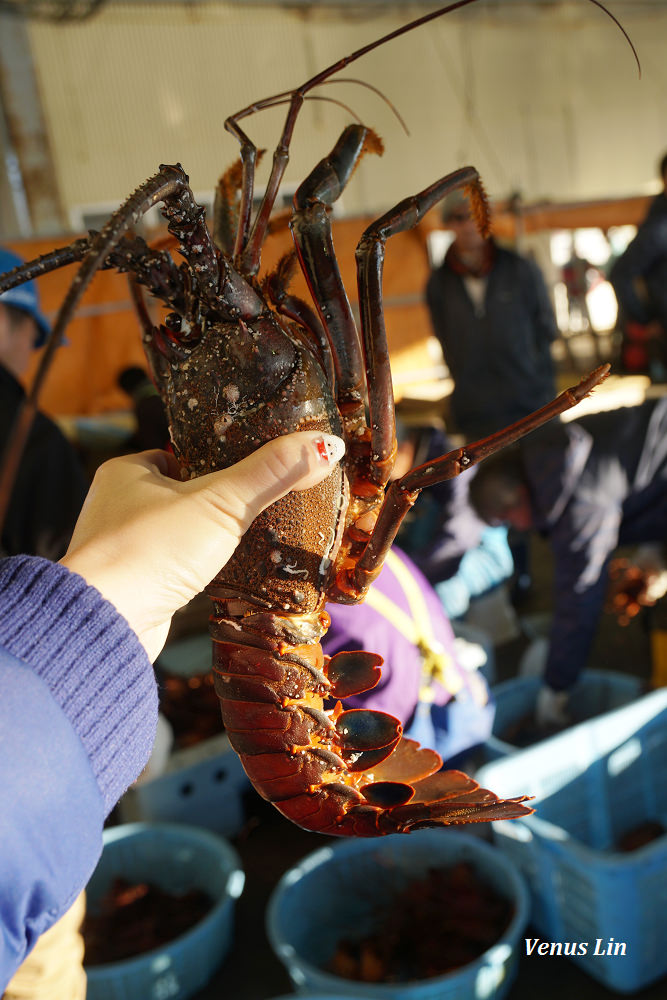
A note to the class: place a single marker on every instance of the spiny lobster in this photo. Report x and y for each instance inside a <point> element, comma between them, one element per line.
<point>238,362</point>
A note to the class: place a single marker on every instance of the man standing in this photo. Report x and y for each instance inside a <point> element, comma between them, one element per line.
<point>50,485</point>
<point>491,313</point>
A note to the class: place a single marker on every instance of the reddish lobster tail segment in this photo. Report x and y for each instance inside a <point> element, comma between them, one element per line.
<point>344,773</point>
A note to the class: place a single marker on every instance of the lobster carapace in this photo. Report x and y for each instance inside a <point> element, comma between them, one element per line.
<point>238,362</point>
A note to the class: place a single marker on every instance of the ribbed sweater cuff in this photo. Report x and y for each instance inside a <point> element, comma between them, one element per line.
<point>91,661</point>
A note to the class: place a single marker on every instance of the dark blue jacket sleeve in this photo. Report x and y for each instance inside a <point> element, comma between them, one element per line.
<point>78,712</point>
<point>582,544</point>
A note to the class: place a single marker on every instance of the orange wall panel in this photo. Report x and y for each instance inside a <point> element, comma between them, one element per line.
<point>104,336</point>
<point>103,339</point>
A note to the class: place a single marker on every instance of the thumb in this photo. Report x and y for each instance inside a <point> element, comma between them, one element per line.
<point>291,462</point>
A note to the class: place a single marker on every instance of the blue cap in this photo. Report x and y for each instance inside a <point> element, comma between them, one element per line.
<point>25,296</point>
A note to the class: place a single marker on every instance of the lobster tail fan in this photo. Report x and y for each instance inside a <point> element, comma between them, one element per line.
<point>448,798</point>
<point>353,672</point>
<point>409,763</point>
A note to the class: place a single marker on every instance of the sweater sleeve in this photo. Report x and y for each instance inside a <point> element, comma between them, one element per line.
<point>78,712</point>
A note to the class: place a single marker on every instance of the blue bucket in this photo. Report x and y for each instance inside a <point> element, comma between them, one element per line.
<point>337,888</point>
<point>176,858</point>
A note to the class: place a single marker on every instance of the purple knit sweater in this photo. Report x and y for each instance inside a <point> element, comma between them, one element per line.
<point>78,713</point>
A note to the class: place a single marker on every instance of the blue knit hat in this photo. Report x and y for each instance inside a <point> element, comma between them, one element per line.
<point>24,297</point>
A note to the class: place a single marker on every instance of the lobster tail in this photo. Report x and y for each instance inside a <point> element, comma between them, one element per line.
<point>343,773</point>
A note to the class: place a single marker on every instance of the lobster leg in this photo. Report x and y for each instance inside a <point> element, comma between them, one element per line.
<point>403,493</point>
<point>298,310</point>
<point>311,230</point>
<point>370,262</point>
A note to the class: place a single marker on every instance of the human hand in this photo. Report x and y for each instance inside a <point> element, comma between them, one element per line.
<point>551,709</point>
<point>150,543</point>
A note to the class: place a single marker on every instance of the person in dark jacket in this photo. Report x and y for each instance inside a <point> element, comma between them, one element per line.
<point>588,485</point>
<point>50,485</point>
<point>639,279</point>
<point>78,698</point>
<point>491,313</point>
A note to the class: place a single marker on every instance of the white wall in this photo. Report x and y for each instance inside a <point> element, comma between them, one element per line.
<point>544,100</point>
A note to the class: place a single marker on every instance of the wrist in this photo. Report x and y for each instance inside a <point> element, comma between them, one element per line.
<point>115,588</point>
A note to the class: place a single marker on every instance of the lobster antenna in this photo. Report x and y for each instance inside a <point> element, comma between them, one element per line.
<point>315,97</point>
<point>376,90</point>
<point>156,189</point>
<point>620,27</point>
<point>251,251</point>
<point>44,264</point>
<point>284,98</point>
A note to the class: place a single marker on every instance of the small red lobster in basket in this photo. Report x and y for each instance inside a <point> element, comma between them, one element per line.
<point>238,362</point>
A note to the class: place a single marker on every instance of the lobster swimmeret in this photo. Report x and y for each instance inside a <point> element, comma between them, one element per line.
<point>239,362</point>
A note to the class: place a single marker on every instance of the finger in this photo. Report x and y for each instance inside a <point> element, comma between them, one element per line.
<point>292,462</point>
<point>165,462</point>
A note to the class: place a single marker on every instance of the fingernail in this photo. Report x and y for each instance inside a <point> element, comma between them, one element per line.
<point>329,448</point>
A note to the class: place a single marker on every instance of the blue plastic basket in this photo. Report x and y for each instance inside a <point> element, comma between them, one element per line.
<point>592,784</point>
<point>175,858</point>
<point>341,887</point>
<point>595,693</point>
<point>203,785</point>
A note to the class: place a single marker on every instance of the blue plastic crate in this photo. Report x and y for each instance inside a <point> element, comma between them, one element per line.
<point>595,693</point>
<point>592,784</point>
<point>175,858</point>
<point>203,785</point>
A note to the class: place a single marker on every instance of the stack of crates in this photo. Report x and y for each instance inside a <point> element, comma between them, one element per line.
<point>202,785</point>
<point>595,693</point>
<point>593,784</point>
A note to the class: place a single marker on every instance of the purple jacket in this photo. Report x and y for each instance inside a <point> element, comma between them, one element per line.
<point>78,713</point>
